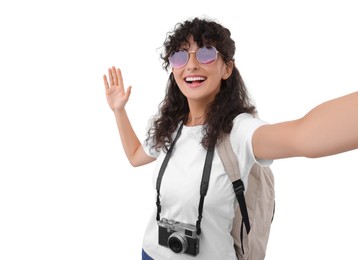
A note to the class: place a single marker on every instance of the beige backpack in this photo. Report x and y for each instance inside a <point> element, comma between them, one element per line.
<point>256,206</point>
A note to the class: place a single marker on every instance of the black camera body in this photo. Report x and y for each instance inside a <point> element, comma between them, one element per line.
<point>179,237</point>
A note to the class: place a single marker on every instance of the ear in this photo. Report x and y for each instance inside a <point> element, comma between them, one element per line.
<point>228,70</point>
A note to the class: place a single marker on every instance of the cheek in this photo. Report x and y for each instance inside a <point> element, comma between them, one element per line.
<point>178,81</point>
<point>176,76</point>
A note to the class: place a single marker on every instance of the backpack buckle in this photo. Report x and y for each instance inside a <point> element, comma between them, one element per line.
<point>238,186</point>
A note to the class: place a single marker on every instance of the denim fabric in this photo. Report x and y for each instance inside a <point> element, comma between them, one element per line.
<point>145,256</point>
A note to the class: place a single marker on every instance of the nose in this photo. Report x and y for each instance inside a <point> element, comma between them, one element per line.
<point>192,62</point>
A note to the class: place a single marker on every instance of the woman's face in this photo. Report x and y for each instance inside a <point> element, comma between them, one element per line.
<point>200,82</point>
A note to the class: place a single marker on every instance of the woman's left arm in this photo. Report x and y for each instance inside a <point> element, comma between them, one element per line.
<point>330,128</point>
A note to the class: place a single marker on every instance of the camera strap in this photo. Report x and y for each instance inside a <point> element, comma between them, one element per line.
<point>204,184</point>
<point>204,181</point>
<point>162,169</point>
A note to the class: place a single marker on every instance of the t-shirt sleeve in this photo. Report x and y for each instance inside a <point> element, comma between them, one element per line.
<point>241,140</point>
<point>154,152</point>
<point>147,145</point>
<point>149,150</point>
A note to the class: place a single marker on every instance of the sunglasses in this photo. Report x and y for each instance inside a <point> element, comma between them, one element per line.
<point>204,55</point>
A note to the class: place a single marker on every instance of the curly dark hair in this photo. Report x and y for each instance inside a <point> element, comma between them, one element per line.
<point>232,100</point>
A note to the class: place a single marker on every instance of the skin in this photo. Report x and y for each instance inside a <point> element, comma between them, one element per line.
<point>117,98</point>
<point>329,128</point>
<point>199,95</point>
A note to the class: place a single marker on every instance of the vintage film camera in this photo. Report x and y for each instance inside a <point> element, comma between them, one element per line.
<point>179,237</point>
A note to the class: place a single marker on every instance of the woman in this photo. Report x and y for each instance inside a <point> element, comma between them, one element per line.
<point>205,98</point>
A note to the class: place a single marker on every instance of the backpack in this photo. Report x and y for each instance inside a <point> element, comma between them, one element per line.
<point>256,206</point>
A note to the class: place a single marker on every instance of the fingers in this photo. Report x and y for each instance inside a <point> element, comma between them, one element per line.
<point>128,92</point>
<point>115,80</point>
<point>106,86</point>
<point>110,77</point>
<point>114,76</point>
<point>120,79</point>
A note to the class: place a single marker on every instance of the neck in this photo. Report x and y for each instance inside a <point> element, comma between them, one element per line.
<point>196,114</point>
<point>193,120</point>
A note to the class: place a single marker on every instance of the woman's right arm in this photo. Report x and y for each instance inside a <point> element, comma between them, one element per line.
<point>117,98</point>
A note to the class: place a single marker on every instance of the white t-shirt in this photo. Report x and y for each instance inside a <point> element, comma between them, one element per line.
<point>180,191</point>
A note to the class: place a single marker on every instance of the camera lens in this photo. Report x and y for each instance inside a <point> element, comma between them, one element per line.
<point>177,243</point>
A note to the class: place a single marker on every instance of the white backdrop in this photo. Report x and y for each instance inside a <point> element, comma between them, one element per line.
<point>66,188</point>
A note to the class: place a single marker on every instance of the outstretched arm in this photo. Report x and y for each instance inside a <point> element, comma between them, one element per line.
<point>330,128</point>
<point>117,98</point>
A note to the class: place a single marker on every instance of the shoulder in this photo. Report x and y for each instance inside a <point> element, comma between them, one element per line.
<point>241,136</point>
<point>246,123</point>
<point>149,147</point>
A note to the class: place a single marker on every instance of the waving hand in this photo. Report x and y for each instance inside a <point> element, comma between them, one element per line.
<point>116,96</point>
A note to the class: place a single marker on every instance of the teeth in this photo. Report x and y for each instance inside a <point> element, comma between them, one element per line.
<point>194,78</point>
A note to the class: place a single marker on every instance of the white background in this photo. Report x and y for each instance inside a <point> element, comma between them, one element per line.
<point>66,188</point>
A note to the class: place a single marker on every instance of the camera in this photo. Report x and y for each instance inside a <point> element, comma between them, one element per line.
<point>179,237</point>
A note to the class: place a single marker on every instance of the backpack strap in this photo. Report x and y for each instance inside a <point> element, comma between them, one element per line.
<point>231,165</point>
<point>204,185</point>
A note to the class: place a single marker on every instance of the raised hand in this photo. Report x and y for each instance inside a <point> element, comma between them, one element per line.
<point>116,96</point>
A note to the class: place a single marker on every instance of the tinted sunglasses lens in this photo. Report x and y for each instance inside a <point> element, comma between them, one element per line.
<point>178,59</point>
<point>206,55</point>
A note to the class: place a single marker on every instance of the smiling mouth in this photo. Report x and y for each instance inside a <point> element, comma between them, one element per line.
<point>191,80</point>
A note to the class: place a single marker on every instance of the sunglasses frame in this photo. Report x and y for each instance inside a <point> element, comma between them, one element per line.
<point>195,52</point>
